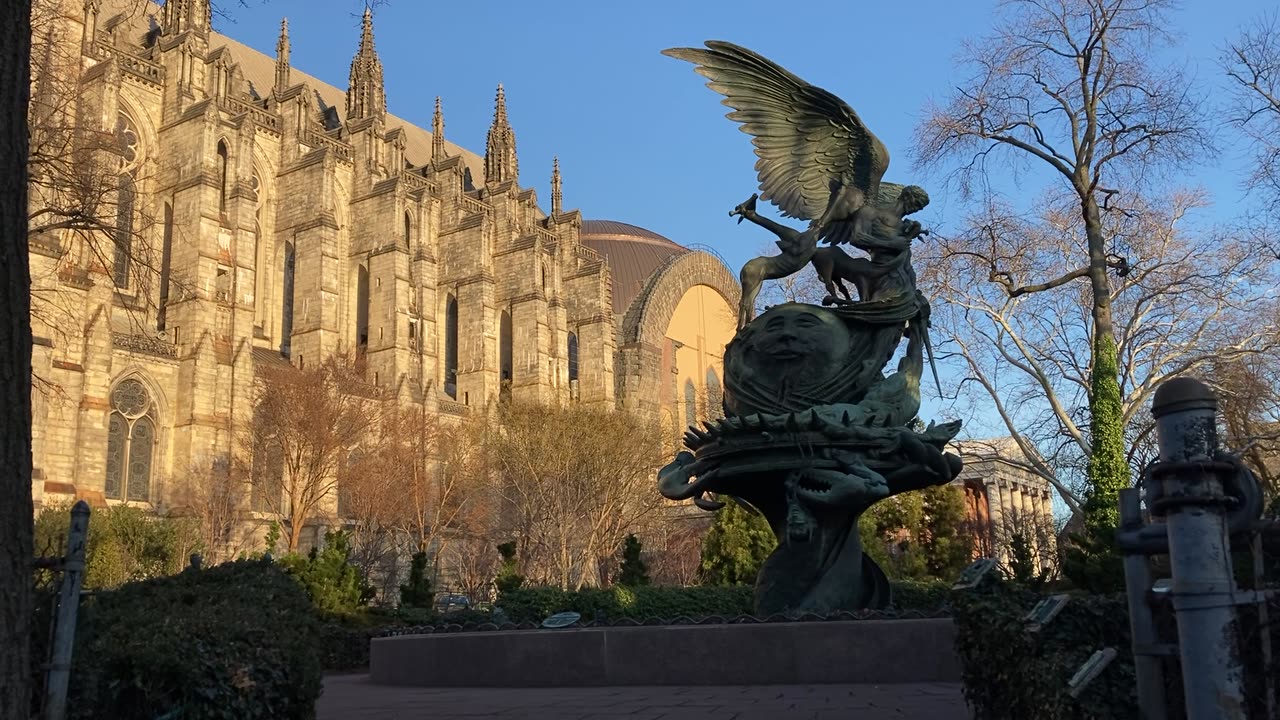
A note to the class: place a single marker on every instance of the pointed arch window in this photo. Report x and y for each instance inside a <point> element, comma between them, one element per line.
<point>505,346</point>
<point>166,260</point>
<point>451,347</point>
<point>408,231</point>
<point>690,403</point>
<point>286,295</point>
<point>126,199</point>
<point>131,442</point>
<point>222,176</point>
<point>125,196</point>
<point>715,394</point>
<point>573,357</point>
<point>362,308</point>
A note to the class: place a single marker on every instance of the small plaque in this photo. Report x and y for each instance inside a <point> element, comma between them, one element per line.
<point>559,620</point>
<point>1090,670</point>
<point>974,574</point>
<point>1046,610</point>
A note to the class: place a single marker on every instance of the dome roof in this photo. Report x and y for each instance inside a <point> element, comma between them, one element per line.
<point>633,254</point>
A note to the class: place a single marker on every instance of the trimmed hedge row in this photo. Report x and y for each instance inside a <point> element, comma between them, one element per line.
<point>233,641</point>
<point>649,601</point>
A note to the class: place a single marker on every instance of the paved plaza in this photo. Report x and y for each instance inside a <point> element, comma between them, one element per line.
<point>353,697</point>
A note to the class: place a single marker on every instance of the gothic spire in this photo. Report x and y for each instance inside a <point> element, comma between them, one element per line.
<point>500,162</point>
<point>557,192</point>
<point>437,134</point>
<point>282,57</point>
<point>179,16</point>
<point>365,94</point>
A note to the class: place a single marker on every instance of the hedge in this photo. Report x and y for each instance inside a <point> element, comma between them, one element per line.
<point>1011,673</point>
<point>237,640</point>
<point>645,602</point>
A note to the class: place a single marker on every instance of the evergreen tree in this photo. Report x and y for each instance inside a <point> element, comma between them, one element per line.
<point>919,535</point>
<point>633,571</point>
<point>735,547</point>
<point>417,593</point>
<point>509,577</point>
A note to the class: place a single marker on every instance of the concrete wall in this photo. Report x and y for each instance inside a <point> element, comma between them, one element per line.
<point>867,651</point>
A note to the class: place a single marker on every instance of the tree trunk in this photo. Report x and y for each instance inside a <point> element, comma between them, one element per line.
<point>15,364</point>
<point>1108,470</point>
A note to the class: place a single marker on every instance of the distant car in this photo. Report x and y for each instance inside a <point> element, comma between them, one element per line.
<point>448,602</point>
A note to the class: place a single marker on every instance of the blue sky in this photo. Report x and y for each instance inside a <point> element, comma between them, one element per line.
<point>639,137</point>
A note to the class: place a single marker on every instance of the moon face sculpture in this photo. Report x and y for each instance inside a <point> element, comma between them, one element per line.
<point>815,432</point>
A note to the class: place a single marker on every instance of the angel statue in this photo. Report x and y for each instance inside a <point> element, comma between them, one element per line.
<point>817,160</point>
<point>814,432</point>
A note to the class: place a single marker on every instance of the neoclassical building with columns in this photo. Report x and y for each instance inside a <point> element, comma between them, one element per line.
<point>1004,499</point>
<point>263,216</point>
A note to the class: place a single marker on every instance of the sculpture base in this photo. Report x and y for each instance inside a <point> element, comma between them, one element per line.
<point>799,653</point>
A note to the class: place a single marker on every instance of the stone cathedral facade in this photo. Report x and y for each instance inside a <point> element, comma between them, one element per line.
<point>263,216</point>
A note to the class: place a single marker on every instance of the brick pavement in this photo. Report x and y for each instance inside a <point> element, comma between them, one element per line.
<point>353,697</point>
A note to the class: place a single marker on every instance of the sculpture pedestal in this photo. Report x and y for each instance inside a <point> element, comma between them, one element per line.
<point>799,653</point>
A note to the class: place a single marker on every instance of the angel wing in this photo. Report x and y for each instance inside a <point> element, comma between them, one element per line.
<point>816,157</point>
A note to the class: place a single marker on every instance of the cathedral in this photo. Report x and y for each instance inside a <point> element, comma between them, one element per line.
<point>259,216</point>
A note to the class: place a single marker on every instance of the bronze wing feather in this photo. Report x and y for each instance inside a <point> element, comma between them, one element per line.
<point>811,145</point>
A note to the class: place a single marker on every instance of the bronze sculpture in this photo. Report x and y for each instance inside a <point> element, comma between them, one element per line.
<point>814,432</point>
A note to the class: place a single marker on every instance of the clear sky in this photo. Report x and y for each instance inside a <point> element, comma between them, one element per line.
<point>639,137</point>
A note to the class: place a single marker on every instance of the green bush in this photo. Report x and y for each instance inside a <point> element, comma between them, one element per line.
<point>125,544</point>
<point>1011,673</point>
<point>331,581</point>
<point>233,641</point>
<point>924,596</point>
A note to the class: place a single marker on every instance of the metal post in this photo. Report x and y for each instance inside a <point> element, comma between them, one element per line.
<point>1146,654</point>
<point>64,632</point>
<point>1185,411</point>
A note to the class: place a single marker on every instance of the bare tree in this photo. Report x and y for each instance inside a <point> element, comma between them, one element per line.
<point>439,468</point>
<point>673,548</point>
<point>213,495</point>
<point>1249,396</point>
<point>1180,301</point>
<point>1252,64</point>
<point>473,563</point>
<point>1069,86</point>
<point>574,480</point>
<point>306,425</point>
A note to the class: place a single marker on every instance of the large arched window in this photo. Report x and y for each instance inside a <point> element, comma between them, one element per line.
<point>131,442</point>
<point>715,396</point>
<point>451,347</point>
<point>222,176</point>
<point>690,403</point>
<point>573,357</point>
<point>504,346</point>
<point>126,197</point>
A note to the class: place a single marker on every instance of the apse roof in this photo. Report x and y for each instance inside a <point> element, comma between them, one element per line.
<point>633,254</point>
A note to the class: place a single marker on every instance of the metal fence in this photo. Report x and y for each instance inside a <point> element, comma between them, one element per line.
<point>1201,572</point>
<point>57,583</point>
